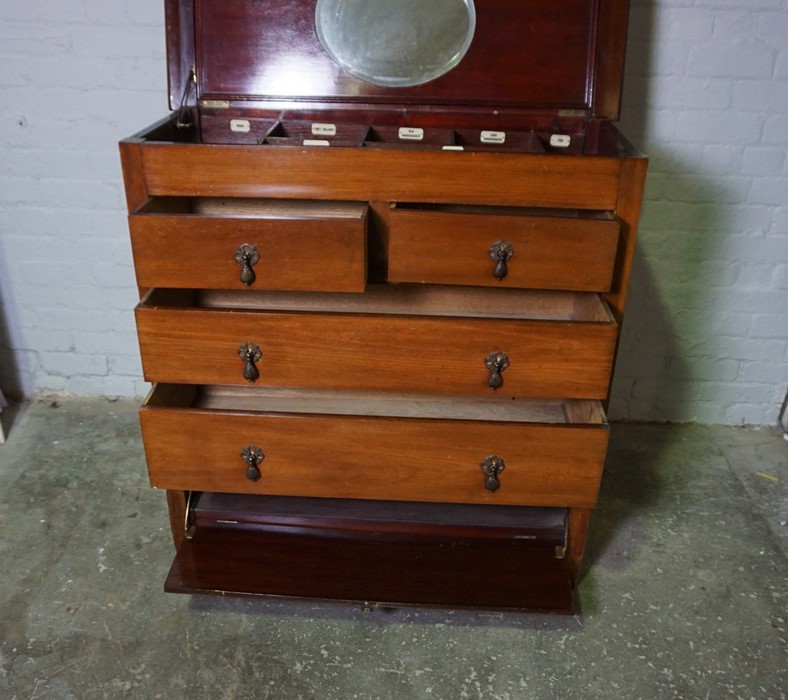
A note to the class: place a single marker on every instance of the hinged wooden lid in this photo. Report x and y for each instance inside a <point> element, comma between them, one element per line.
<point>534,56</point>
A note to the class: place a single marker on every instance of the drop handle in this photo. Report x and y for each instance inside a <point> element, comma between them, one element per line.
<point>501,252</point>
<point>247,256</point>
<point>492,466</point>
<point>250,354</point>
<point>496,363</point>
<point>253,456</point>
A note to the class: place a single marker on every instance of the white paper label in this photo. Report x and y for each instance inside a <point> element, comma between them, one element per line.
<point>240,126</point>
<point>324,129</point>
<point>560,140</point>
<point>493,137</point>
<point>410,133</point>
<point>453,148</point>
<point>316,142</point>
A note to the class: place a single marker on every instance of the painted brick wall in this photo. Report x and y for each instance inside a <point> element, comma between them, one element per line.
<point>706,95</point>
<point>75,75</point>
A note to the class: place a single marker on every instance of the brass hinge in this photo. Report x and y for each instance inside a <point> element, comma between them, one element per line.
<point>215,104</point>
<point>189,528</point>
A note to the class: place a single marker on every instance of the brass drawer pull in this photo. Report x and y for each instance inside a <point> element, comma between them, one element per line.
<point>492,466</point>
<point>247,257</point>
<point>501,252</point>
<point>249,354</point>
<point>496,363</point>
<point>253,456</point>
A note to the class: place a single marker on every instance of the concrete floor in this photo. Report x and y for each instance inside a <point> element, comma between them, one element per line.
<point>685,596</point>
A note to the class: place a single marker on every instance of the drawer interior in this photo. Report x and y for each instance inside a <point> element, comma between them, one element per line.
<point>376,552</point>
<point>270,400</point>
<point>405,299</point>
<point>244,207</point>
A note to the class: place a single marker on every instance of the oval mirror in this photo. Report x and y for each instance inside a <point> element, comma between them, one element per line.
<point>395,43</point>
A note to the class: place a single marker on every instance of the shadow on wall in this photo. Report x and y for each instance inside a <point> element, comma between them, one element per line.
<point>666,316</point>
<point>15,380</point>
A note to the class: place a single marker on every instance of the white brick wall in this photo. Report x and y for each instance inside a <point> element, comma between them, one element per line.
<point>75,76</point>
<point>706,95</point>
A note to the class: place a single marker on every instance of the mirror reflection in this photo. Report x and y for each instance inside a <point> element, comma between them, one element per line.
<point>396,43</point>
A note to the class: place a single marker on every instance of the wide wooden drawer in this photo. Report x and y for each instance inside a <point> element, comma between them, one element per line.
<point>201,242</point>
<point>410,338</point>
<point>340,445</point>
<point>480,246</point>
<point>384,552</point>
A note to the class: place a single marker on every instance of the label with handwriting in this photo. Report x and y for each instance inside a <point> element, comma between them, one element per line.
<point>324,129</point>
<point>240,126</point>
<point>411,133</point>
<point>493,137</point>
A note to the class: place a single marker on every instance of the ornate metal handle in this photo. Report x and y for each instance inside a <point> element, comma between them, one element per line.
<point>253,456</point>
<point>492,466</point>
<point>496,363</point>
<point>247,257</point>
<point>250,353</point>
<point>501,252</point>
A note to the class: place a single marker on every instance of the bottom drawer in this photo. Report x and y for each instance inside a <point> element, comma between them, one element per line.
<point>391,553</point>
<point>392,447</point>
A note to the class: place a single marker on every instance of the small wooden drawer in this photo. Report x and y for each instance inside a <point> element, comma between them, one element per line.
<point>292,245</point>
<point>412,338</point>
<point>389,447</point>
<point>464,245</point>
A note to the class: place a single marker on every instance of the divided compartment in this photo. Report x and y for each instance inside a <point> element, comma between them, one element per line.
<point>407,338</point>
<point>234,127</point>
<point>310,133</point>
<point>365,445</point>
<point>305,245</point>
<point>498,141</point>
<point>453,139</point>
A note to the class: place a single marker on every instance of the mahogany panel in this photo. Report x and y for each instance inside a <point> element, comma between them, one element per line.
<point>377,352</point>
<point>416,571</point>
<point>531,54</point>
<point>548,252</point>
<point>179,21</point>
<point>533,526</point>
<point>190,250</point>
<point>371,457</point>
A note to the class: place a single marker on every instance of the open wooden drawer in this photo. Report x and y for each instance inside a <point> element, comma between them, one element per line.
<point>413,338</point>
<point>200,242</point>
<point>381,552</point>
<point>499,246</point>
<point>370,446</point>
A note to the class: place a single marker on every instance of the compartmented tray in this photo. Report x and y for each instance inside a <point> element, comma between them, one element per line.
<point>239,126</point>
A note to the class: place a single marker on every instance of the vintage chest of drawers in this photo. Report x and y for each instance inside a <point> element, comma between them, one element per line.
<point>380,297</point>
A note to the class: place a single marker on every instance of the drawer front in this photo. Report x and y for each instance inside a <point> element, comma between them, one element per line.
<point>202,252</point>
<point>539,252</point>
<point>377,352</point>
<point>374,458</point>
